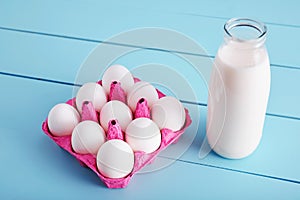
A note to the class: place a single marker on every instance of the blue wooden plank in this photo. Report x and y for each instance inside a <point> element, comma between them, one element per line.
<point>277,155</point>
<point>42,170</point>
<point>60,60</point>
<point>48,165</point>
<point>284,94</point>
<point>99,23</point>
<point>286,13</point>
<point>41,56</point>
<point>36,168</point>
<point>32,100</point>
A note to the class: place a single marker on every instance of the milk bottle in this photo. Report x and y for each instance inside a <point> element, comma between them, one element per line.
<point>238,90</point>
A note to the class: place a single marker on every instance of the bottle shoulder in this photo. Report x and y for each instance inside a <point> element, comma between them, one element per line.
<point>242,58</point>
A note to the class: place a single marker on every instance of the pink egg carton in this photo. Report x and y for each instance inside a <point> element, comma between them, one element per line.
<point>141,159</point>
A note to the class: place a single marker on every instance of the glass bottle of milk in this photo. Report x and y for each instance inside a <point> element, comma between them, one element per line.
<point>239,90</point>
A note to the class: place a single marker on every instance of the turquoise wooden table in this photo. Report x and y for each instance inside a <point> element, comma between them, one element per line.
<point>42,46</point>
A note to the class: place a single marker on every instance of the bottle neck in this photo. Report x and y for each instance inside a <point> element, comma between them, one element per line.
<point>244,33</point>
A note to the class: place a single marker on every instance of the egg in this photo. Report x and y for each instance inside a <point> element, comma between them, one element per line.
<point>91,92</point>
<point>115,159</point>
<point>168,112</point>
<point>141,90</point>
<point>87,137</point>
<point>117,73</point>
<point>142,134</point>
<point>115,110</point>
<point>62,119</point>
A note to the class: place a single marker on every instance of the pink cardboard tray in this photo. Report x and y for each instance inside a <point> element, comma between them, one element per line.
<point>141,158</point>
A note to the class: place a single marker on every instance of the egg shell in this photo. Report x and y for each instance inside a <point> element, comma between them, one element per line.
<point>115,159</point>
<point>142,134</point>
<point>87,137</point>
<point>140,90</point>
<point>168,112</point>
<point>62,119</point>
<point>115,110</point>
<point>117,73</point>
<point>92,92</point>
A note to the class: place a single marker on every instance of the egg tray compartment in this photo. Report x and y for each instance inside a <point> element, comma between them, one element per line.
<point>141,159</point>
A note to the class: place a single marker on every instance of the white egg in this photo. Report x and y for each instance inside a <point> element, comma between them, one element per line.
<point>91,92</point>
<point>117,73</point>
<point>141,90</point>
<point>87,137</point>
<point>115,159</point>
<point>115,110</point>
<point>62,119</point>
<point>168,112</point>
<point>142,134</point>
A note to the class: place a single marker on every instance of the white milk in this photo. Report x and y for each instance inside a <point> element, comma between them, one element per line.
<point>239,90</point>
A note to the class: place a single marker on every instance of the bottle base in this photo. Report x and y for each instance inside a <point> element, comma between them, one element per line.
<point>232,155</point>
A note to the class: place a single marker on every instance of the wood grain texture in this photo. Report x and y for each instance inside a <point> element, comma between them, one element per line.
<point>42,46</point>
